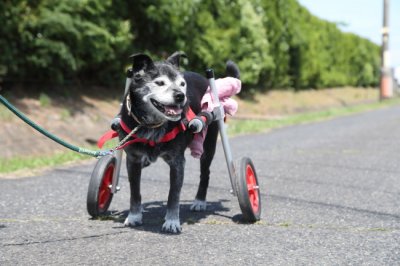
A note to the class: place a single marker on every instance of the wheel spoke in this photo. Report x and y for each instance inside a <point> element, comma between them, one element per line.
<point>105,187</point>
<point>252,187</point>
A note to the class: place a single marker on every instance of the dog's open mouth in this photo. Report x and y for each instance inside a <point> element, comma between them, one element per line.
<point>172,111</point>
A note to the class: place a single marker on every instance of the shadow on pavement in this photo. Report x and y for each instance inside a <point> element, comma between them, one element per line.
<point>154,212</point>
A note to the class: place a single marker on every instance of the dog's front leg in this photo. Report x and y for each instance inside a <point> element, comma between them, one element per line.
<point>172,223</point>
<point>135,211</point>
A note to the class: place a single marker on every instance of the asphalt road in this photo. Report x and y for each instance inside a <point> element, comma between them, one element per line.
<point>330,195</point>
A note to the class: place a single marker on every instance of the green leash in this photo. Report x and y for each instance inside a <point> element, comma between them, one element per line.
<point>51,136</point>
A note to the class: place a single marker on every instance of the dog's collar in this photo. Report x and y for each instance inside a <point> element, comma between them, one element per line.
<point>129,107</point>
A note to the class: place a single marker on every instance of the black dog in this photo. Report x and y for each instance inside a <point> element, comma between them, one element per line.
<point>157,103</point>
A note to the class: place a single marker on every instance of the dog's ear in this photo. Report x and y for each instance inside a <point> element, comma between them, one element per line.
<point>174,59</point>
<point>142,62</point>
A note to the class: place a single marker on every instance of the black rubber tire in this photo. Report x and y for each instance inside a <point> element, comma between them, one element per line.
<point>248,191</point>
<point>99,194</point>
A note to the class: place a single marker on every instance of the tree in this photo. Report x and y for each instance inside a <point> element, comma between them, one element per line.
<point>276,43</point>
<point>58,40</point>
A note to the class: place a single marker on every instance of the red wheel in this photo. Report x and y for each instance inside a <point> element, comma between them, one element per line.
<point>248,191</point>
<point>99,192</point>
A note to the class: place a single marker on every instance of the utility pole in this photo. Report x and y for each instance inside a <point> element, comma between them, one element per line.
<point>386,90</point>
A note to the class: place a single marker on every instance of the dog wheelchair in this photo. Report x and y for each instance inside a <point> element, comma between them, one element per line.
<point>243,177</point>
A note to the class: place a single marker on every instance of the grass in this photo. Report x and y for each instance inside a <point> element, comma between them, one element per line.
<point>291,102</point>
<point>235,127</point>
<point>25,163</point>
<point>44,100</point>
<point>65,114</point>
<point>34,162</point>
<point>5,114</point>
<point>244,126</point>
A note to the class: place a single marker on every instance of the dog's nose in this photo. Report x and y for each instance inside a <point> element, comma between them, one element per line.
<point>179,97</point>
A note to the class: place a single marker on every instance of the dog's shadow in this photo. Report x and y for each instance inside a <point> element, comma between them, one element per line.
<point>154,212</point>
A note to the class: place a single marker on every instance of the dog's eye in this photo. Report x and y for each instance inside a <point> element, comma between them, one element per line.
<point>183,84</point>
<point>160,83</point>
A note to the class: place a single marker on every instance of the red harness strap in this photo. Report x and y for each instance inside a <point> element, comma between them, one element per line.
<point>106,137</point>
<point>167,137</point>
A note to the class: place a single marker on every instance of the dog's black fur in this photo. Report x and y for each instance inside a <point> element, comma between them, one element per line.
<point>156,84</point>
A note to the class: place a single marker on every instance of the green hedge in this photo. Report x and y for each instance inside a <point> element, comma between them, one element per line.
<point>276,43</point>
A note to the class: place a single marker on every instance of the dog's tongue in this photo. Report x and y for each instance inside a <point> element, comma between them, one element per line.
<point>170,110</point>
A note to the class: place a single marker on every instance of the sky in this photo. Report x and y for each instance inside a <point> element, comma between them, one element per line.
<point>362,17</point>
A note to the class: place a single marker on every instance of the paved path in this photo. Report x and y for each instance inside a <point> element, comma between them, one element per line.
<point>331,195</point>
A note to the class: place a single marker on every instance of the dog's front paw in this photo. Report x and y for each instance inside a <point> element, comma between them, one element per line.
<point>198,205</point>
<point>172,226</point>
<point>134,219</point>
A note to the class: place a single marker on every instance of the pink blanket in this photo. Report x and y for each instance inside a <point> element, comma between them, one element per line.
<point>227,87</point>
